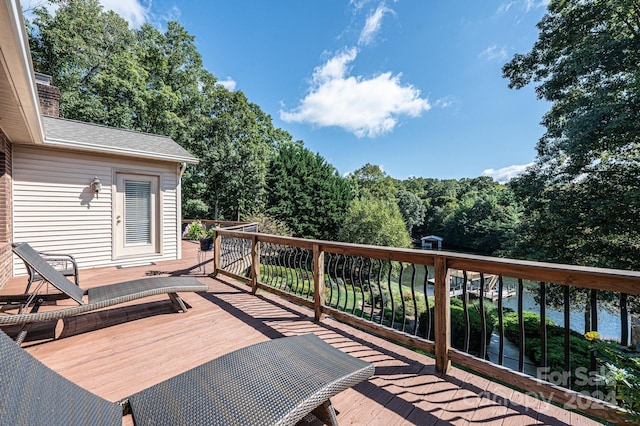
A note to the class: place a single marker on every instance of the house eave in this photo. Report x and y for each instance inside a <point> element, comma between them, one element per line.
<point>19,107</point>
<point>119,151</point>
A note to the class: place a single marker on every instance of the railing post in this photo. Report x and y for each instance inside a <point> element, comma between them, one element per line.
<point>216,252</point>
<point>255,263</point>
<point>442,314</point>
<point>318,282</point>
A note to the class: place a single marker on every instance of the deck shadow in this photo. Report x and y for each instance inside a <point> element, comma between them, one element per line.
<point>424,385</point>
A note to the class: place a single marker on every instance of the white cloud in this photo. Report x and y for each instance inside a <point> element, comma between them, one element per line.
<point>446,102</point>
<point>504,8</point>
<point>505,174</point>
<point>373,24</point>
<point>228,83</point>
<point>522,5</point>
<point>533,4</point>
<point>493,53</point>
<point>363,106</point>
<point>133,11</point>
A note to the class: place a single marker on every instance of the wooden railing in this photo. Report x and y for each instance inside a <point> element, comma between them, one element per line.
<point>406,296</point>
<point>208,224</point>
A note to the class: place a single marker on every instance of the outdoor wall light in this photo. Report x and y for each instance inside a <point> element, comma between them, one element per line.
<point>96,185</point>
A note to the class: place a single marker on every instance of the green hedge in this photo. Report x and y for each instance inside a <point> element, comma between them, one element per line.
<point>458,324</point>
<point>580,349</point>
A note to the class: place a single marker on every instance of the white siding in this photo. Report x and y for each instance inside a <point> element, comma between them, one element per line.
<point>55,210</point>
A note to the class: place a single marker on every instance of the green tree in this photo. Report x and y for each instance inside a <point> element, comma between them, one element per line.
<point>411,208</point>
<point>582,193</point>
<point>376,222</point>
<point>371,181</point>
<point>235,155</point>
<point>306,192</point>
<point>91,56</point>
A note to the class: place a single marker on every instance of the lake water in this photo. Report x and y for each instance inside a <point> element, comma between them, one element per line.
<point>609,325</point>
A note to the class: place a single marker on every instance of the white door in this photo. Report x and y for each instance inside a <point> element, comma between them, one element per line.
<point>137,215</point>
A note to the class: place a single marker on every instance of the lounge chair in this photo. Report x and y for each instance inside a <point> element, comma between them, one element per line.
<point>97,297</point>
<point>277,382</point>
<point>64,263</point>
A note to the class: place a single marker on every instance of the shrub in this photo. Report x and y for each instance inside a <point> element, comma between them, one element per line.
<point>194,231</point>
<point>579,351</point>
<point>458,324</point>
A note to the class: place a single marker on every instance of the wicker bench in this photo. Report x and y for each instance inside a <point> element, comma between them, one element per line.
<point>277,382</point>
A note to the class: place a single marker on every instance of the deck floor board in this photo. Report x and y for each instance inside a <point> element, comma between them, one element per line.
<point>121,350</point>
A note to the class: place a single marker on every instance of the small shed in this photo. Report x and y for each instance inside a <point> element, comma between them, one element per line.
<point>431,242</point>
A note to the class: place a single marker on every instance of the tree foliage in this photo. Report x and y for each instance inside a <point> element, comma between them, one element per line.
<point>411,208</point>
<point>582,193</point>
<point>153,81</point>
<point>371,181</point>
<point>374,221</point>
<point>306,192</point>
<point>476,215</point>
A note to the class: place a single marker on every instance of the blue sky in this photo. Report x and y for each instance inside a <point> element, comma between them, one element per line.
<point>413,86</point>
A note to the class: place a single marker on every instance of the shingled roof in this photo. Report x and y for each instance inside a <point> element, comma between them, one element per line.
<point>96,138</point>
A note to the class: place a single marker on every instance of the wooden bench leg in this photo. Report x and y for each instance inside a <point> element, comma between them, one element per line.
<point>326,413</point>
<point>178,302</point>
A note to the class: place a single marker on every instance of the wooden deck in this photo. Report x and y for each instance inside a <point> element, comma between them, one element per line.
<point>121,350</point>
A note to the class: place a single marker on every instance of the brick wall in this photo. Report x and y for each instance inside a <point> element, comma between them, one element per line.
<point>6,224</point>
<point>49,100</point>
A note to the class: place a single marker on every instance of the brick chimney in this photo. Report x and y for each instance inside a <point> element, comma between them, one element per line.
<point>49,95</point>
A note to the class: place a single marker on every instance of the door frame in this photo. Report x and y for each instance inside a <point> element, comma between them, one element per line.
<point>118,249</point>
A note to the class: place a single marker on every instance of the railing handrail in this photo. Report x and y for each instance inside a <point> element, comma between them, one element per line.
<point>619,280</point>
<point>229,223</point>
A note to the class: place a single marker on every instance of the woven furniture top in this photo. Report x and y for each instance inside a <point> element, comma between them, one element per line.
<point>33,394</point>
<point>144,286</point>
<point>271,383</point>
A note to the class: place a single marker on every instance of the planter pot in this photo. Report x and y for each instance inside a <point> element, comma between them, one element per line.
<point>206,244</point>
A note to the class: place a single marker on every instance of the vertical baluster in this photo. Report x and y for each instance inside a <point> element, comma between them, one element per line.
<point>381,295</point>
<point>282,258</point>
<point>309,278</point>
<point>624,320</point>
<point>425,287</point>
<point>404,306</point>
<point>369,264</point>
<point>483,320</point>
<point>331,282</point>
<point>234,255</point>
<point>292,263</point>
<point>361,286</point>
<point>290,271</point>
<point>345,265</point>
<point>413,296</point>
<point>500,322</point>
<point>594,327</point>
<point>318,282</point>
<point>567,336</point>
<point>543,325</point>
<point>594,309</point>
<point>353,283</point>
<point>268,253</point>
<point>521,334</point>
<point>465,311</point>
<point>393,305</point>
<point>335,273</point>
<point>293,267</point>
<point>237,251</point>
